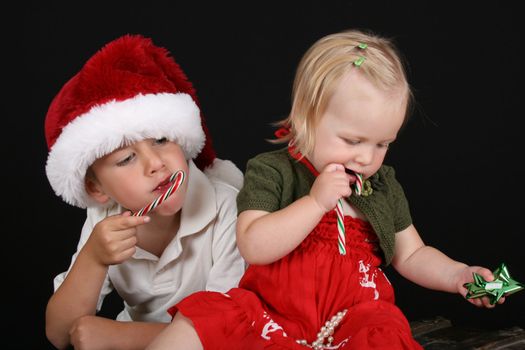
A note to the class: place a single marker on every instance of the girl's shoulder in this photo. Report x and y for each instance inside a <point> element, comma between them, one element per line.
<point>385,174</point>
<point>281,156</point>
<point>279,161</point>
<point>385,180</point>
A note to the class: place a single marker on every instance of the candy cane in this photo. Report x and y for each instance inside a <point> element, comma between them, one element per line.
<point>341,240</point>
<point>340,227</point>
<point>177,178</point>
<point>358,184</point>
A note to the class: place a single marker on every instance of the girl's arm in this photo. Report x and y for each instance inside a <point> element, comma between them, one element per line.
<point>264,237</point>
<point>430,268</point>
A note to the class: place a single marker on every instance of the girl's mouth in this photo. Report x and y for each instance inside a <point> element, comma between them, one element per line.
<point>349,171</point>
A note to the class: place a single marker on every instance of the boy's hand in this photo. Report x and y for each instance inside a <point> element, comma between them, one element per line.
<point>92,332</point>
<point>465,276</point>
<point>113,239</point>
<point>331,184</point>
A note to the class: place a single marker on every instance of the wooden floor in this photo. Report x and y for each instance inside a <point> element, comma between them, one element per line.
<point>439,333</point>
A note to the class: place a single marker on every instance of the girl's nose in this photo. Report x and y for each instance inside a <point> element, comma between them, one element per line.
<point>365,156</point>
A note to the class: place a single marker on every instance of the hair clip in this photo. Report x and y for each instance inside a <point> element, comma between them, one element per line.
<point>359,61</point>
<point>362,46</point>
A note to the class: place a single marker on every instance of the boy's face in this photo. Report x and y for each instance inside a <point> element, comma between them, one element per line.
<point>137,174</point>
<point>359,123</point>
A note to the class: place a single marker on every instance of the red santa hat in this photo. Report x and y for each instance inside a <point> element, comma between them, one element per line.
<point>128,91</point>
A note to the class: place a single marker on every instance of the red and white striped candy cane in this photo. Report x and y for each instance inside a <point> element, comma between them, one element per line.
<point>341,240</point>
<point>177,178</point>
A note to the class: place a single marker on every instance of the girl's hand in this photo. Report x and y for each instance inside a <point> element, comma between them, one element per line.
<point>113,239</point>
<point>465,275</point>
<point>331,184</point>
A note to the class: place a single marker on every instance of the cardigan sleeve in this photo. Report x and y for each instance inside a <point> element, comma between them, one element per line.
<point>398,201</point>
<point>263,185</point>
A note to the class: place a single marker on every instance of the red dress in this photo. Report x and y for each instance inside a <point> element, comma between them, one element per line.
<point>281,304</point>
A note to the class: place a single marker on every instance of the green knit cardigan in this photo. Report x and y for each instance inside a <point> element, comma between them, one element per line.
<point>273,180</point>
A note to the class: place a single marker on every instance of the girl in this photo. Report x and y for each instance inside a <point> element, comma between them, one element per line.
<point>309,283</point>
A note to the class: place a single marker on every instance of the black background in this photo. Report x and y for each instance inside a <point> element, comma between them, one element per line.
<point>458,158</point>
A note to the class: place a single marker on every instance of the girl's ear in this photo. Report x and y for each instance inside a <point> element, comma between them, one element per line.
<point>94,189</point>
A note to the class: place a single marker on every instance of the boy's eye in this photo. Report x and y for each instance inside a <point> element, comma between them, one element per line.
<point>125,160</point>
<point>161,141</point>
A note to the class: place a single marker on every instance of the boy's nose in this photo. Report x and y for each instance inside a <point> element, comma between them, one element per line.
<point>152,161</point>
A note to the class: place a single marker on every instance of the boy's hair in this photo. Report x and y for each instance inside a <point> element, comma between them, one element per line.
<point>129,90</point>
<point>320,70</point>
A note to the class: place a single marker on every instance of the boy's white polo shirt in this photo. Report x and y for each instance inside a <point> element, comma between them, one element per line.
<point>203,255</point>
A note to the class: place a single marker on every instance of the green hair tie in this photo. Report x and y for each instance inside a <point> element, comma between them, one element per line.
<point>359,61</point>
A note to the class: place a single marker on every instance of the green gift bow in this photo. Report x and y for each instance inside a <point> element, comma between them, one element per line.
<point>503,284</point>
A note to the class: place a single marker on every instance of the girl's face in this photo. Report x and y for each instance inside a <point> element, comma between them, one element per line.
<point>359,123</point>
<point>136,175</point>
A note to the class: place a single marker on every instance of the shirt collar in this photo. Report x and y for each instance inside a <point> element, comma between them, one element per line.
<point>198,210</point>
<point>199,207</point>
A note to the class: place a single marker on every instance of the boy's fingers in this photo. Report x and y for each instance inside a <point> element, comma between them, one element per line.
<point>125,221</point>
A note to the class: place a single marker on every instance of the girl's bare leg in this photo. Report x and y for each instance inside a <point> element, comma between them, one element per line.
<point>180,334</point>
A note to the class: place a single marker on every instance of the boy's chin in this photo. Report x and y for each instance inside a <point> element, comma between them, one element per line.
<point>167,209</point>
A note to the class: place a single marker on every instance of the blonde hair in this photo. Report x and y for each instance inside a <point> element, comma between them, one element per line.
<point>320,70</point>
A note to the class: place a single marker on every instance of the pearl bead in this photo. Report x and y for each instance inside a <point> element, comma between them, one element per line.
<point>326,332</point>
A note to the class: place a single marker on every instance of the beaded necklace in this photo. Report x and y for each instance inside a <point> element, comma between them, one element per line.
<point>326,332</point>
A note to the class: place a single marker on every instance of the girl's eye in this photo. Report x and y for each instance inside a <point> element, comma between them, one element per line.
<point>383,145</point>
<point>161,141</point>
<point>352,142</point>
<point>126,160</point>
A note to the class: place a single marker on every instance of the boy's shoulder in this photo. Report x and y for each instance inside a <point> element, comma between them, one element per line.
<point>99,213</point>
<point>225,175</point>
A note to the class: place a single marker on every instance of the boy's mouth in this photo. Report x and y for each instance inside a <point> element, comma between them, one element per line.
<point>163,185</point>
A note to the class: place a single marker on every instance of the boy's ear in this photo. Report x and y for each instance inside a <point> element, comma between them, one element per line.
<point>96,192</point>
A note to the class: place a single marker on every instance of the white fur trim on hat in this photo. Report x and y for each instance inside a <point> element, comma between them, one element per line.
<point>107,127</point>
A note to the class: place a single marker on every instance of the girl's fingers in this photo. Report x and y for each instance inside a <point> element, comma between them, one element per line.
<point>333,167</point>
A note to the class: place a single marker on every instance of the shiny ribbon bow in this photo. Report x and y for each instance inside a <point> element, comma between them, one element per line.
<point>502,285</point>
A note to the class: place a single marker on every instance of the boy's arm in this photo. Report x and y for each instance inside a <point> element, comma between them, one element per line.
<point>93,332</point>
<point>430,268</point>
<point>228,265</point>
<point>77,296</point>
<point>111,242</point>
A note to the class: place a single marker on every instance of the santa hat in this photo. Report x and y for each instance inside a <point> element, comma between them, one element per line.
<point>128,91</point>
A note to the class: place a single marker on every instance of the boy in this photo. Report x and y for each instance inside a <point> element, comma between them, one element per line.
<point>116,132</point>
